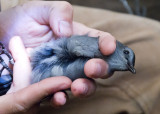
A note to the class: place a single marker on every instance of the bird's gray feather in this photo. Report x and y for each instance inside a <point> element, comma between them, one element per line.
<point>67,56</point>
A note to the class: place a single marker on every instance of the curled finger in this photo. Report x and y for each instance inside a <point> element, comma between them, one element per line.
<point>83,87</point>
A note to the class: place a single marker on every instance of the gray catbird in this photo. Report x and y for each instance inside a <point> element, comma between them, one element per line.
<point>67,56</point>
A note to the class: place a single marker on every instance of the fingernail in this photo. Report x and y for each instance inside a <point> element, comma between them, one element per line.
<point>63,100</point>
<point>85,89</point>
<point>101,70</point>
<point>16,40</point>
<point>65,28</point>
<point>107,45</point>
<point>58,100</point>
<point>81,90</point>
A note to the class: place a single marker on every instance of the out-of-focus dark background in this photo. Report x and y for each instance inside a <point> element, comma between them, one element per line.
<point>148,8</point>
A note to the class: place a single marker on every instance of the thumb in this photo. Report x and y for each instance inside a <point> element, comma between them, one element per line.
<point>22,67</point>
<point>60,19</point>
<point>26,98</point>
<point>58,14</point>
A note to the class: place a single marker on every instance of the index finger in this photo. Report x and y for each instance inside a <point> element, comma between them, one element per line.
<point>107,43</point>
<point>28,97</point>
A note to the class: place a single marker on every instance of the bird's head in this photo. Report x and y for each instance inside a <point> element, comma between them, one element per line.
<point>123,59</point>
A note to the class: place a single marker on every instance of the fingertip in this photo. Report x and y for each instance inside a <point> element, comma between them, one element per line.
<point>59,99</point>
<point>107,44</point>
<point>67,80</point>
<point>13,40</point>
<point>96,68</point>
<point>17,48</point>
<point>83,87</point>
<point>61,19</point>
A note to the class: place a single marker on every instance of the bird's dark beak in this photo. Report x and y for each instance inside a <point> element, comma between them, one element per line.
<point>131,69</point>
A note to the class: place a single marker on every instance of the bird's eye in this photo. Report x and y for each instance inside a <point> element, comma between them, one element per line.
<point>126,52</point>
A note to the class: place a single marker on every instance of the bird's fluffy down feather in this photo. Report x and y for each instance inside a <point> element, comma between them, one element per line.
<point>67,56</point>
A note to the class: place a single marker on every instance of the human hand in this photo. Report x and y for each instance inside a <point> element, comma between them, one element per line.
<point>38,22</point>
<point>27,100</point>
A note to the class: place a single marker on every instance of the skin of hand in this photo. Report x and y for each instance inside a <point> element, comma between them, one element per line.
<point>40,21</point>
<point>27,100</point>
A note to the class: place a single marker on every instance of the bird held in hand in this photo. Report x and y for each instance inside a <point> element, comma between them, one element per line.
<point>67,57</point>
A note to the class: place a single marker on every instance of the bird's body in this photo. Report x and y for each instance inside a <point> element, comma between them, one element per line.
<point>67,56</point>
